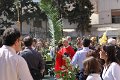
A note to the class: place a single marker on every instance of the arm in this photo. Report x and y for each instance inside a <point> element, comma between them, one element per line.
<point>72,52</point>
<point>23,70</point>
<point>41,64</point>
<point>116,71</point>
<point>75,59</point>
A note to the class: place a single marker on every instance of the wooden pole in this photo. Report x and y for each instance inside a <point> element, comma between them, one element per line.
<point>18,12</point>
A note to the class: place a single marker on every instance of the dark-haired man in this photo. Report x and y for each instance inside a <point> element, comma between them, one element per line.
<point>81,55</point>
<point>33,58</point>
<point>12,66</point>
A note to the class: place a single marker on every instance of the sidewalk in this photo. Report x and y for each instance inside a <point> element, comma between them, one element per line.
<point>47,77</point>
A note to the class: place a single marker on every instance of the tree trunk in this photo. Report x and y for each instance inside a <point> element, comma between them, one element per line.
<point>80,33</point>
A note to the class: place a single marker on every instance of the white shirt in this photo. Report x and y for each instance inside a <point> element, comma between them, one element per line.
<point>79,57</point>
<point>111,73</point>
<point>13,66</point>
<point>94,76</point>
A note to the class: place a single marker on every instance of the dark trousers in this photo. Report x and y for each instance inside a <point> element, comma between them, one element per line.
<point>36,74</point>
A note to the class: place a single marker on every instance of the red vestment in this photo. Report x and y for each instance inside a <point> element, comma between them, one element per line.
<point>59,57</point>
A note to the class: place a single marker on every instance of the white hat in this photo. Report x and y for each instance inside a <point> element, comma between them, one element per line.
<point>111,41</point>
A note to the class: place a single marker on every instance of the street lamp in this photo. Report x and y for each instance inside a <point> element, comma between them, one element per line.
<point>19,11</point>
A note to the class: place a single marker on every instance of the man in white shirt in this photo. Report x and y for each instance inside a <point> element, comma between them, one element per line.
<point>81,55</point>
<point>12,66</point>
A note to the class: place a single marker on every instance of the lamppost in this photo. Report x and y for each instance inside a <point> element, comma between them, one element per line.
<point>19,11</point>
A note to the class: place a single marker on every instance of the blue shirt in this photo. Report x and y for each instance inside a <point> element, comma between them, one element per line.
<point>79,57</point>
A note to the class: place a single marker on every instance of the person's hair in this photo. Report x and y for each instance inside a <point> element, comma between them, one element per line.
<point>118,53</point>
<point>93,53</point>
<point>78,38</point>
<point>111,52</point>
<point>60,43</point>
<point>91,65</point>
<point>22,45</point>
<point>35,40</point>
<point>64,39</point>
<point>28,41</point>
<point>10,35</point>
<point>1,42</point>
<point>86,42</point>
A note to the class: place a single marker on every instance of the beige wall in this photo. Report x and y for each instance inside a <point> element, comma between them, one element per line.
<point>104,9</point>
<point>94,18</point>
<point>67,25</point>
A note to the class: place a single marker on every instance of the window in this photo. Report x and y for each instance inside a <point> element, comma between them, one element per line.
<point>115,19</point>
<point>115,16</point>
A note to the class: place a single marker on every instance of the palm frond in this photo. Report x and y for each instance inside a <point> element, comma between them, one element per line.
<point>51,29</point>
<point>55,24</point>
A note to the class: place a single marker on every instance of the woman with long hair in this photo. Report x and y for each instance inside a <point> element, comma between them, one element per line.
<point>111,69</point>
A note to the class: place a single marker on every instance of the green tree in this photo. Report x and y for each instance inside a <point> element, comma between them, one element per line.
<point>5,6</point>
<point>55,24</point>
<point>76,11</point>
<point>21,9</point>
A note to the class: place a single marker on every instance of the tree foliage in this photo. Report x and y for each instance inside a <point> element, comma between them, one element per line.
<point>5,6</point>
<point>76,11</point>
<point>22,9</point>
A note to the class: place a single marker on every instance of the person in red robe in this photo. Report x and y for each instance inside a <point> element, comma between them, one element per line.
<point>58,56</point>
<point>66,50</point>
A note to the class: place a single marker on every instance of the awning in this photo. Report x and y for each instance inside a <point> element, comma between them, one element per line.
<point>68,30</point>
<point>108,29</point>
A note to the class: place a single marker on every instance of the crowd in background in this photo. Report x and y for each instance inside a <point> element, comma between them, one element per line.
<point>23,59</point>
<point>95,61</point>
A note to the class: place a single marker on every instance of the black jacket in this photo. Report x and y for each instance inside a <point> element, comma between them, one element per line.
<point>34,60</point>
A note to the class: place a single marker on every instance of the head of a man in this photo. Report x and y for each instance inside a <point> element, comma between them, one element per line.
<point>65,42</point>
<point>69,38</point>
<point>86,42</point>
<point>11,37</point>
<point>111,41</point>
<point>28,41</point>
<point>34,44</point>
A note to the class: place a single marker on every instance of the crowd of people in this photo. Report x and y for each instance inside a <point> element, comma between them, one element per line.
<point>18,63</point>
<point>21,59</point>
<point>95,61</point>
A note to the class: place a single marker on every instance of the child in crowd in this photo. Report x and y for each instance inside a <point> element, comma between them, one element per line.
<point>92,68</point>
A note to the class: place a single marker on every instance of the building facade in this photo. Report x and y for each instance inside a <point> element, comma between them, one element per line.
<point>108,18</point>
